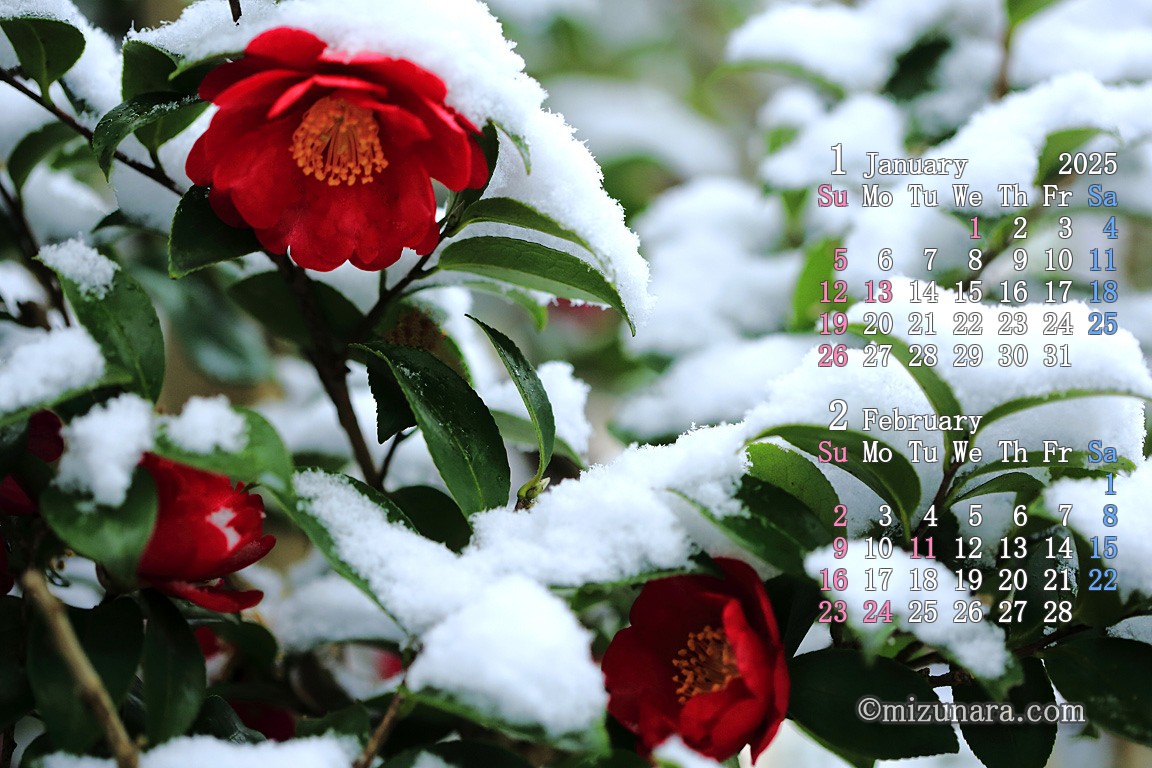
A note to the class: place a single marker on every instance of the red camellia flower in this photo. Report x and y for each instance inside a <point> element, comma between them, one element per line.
<point>701,659</point>
<point>330,154</point>
<point>45,443</point>
<point>205,530</point>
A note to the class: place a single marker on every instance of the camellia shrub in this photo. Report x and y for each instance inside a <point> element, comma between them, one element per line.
<point>287,479</point>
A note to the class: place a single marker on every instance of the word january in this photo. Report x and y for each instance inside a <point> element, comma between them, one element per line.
<point>914,166</point>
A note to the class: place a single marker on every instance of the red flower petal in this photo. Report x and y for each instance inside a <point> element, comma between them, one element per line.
<point>288,47</point>
<point>44,440</point>
<point>13,499</point>
<point>212,597</point>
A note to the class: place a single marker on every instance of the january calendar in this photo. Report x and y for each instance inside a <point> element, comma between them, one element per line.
<point>575,383</point>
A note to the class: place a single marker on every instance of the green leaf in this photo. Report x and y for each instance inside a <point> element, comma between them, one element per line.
<point>35,147</point>
<point>537,312</point>
<point>1024,403</point>
<point>915,69</point>
<point>146,69</point>
<point>533,266</point>
<point>225,345</point>
<point>521,145</point>
<point>137,113</point>
<point>269,299</point>
<point>521,432</point>
<point>595,739</point>
<point>1010,482</point>
<point>46,48</point>
<point>1075,460</point>
<point>505,210</point>
<point>124,323</point>
<point>796,604</point>
<point>219,720</point>
<point>461,754</point>
<point>174,674</point>
<point>531,390</point>
<point>434,515</point>
<point>253,642</point>
<point>796,476</point>
<point>113,537</point>
<point>894,481</point>
<point>460,432</point>
<point>826,686</point>
<point>188,73</point>
<point>350,721</point>
<point>1019,10</point>
<point>263,459</point>
<point>1058,142</point>
<point>1014,745</point>
<point>112,636</point>
<point>200,239</point>
<point>939,394</point>
<point>807,293</point>
<point>15,693</point>
<point>1109,676</point>
<point>1037,594</point>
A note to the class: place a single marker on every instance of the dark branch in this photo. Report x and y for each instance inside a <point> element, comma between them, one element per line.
<point>236,12</point>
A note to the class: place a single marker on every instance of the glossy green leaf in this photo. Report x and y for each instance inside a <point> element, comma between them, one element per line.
<point>826,687</point>
<point>521,145</point>
<point>137,113</point>
<point>505,210</point>
<point>595,739</point>
<point>533,266</point>
<point>520,432</point>
<point>46,48</point>
<point>112,636</point>
<point>531,391</point>
<point>146,69</point>
<point>350,721</point>
<point>219,720</point>
<point>393,414</point>
<point>270,300</point>
<point>536,311</point>
<point>1109,676</point>
<point>263,458</point>
<point>1010,482</point>
<point>1019,10</point>
<point>795,475</point>
<point>894,481</point>
<point>37,146</point>
<point>458,428</point>
<point>174,673</point>
<point>434,515</point>
<point>1059,142</point>
<point>200,239</point>
<point>124,323</point>
<point>808,291</point>
<point>113,537</point>
<point>795,602</point>
<point>1011,745</point>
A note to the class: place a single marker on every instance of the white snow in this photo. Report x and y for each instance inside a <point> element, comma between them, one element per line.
<point>855,48</point>
<point>711,385</point>
<point>58,206</point>
<point>518,651</point>
<point>723,228</point>
<point>567,394</point>
<point>1133,561</point>
<point>463,44</point>
<point>328,610</point>
<point>17,285</point>
<point>47,367</point>
<point>207,424</point>
<point>675,752</point>
<point>103,447</point>
<point>616,118</point>
<point>978,645</point>
<point>314,752</point>
<point>80,263</point>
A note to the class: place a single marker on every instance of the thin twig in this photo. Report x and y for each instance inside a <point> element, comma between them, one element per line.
<point>378,481</point>
<point>949,679</point>
<point>387,297</point>
<point>329,364</point>
<point>45,276</point>
<point>158,176</point>
<point>236,12</point>
<point>92,690</point>
<point>383,731</point>
<point>1025,651</point>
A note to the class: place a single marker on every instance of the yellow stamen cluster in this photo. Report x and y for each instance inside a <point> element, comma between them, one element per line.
<point>338,142</point>
<point>705,664</point>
